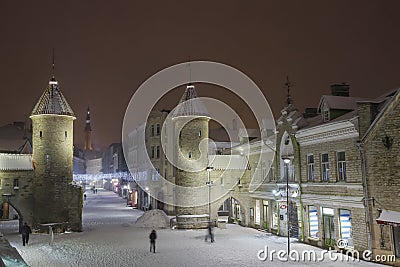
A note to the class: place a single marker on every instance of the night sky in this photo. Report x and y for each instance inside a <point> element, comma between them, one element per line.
<point>104,50</point>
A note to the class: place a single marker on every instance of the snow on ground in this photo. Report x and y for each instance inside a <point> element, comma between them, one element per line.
<point>110,238</point>
<point>153,219</point>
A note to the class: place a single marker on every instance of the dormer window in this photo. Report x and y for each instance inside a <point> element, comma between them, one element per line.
<point>325,115</point>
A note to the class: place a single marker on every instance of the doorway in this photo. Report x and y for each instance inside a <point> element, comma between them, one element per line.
<point>329,228</point>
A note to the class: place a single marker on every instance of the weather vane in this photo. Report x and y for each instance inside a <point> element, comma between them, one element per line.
<point>288,84</point>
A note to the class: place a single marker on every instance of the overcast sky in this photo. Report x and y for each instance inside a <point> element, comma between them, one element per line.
<point>106,49</point>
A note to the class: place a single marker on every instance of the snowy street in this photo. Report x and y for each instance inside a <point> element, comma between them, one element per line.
<point>110,238</point>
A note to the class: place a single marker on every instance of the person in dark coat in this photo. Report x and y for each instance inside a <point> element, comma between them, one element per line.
<point>153,237</point>
<point>209,234</point>
<point>25,231</point>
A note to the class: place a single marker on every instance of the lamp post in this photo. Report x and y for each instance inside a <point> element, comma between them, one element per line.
<point>209,183</point>
<point>286,161</point>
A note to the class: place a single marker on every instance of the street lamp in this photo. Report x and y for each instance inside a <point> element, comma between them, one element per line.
<point>286,161</point>
<point>209,183</point>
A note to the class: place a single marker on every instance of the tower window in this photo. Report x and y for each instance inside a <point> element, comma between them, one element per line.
<point>158,129</point>
<point>200,133</point>
<point>152,130</point>
<point>47,158</point>
<point>190,155</point>
<point>40,134</point>
<point>16,184</point>
<point>66,134</point>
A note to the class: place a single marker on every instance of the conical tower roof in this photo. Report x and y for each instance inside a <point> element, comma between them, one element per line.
<point>52,101</point>
<point>190,105</point>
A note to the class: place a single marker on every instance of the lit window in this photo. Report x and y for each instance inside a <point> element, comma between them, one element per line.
<point>310,167</point>
<point>341,157</point>
<point>325,167</point>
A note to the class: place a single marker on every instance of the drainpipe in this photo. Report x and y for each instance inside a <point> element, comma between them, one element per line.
<point>365,191</point>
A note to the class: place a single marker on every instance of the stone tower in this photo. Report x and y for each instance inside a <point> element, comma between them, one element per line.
<point>191,123</point>
<point>87,146</point>
<point>56,198</point>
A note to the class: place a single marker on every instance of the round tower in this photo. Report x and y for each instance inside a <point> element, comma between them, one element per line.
<point>191,123</point>
<point>52,139</point>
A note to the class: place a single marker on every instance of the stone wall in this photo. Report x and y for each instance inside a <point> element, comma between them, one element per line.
<point>382,146</point>
<point>21,197</point>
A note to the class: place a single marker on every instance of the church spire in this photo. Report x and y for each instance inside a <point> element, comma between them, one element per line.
<point>88,133</point>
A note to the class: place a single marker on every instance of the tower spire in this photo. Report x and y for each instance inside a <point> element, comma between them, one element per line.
<point>53,67</point>
<point>288,84</point>
<point>190,72</point>
<point>88,133</point>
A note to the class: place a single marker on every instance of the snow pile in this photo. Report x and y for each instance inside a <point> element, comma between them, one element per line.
<point>153,219</point>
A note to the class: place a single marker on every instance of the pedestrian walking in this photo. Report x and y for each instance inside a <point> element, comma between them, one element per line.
<point>209,234</point>
<point>153,237</point>
<point>25,231</point>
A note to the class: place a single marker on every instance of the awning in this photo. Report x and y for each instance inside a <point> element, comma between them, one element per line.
<point>389,217</point>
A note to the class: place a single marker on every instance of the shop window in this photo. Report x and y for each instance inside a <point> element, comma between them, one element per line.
<point>345,226</point>
<point>313,221</point>
<point>325,166</point>
<point>341,158</point>
<point>310,168</point>
<point>275,216</point>
<point>265,213</point>
<point>257,219</point>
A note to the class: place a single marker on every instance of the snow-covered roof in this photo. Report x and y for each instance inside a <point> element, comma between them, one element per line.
<point>13,162</point>
<point>389,217</point>
<point>52,101</point>
<point>228,162</point>
<point>190,105</point>
<point>14,145</point>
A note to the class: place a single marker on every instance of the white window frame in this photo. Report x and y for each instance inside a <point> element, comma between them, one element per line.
<point>341,164</point>
<point>325,167</point>
<point>311,168</point>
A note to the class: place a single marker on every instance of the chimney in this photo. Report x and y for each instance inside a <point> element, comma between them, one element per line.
<point>340,89</point>
<point>367,112</point>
